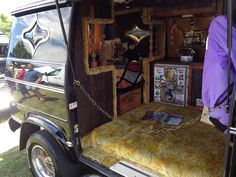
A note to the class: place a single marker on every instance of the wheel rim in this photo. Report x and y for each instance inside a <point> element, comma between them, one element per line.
<point>42,162</point>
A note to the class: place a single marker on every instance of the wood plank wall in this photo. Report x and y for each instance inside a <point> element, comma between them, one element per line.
<point>98,86</point>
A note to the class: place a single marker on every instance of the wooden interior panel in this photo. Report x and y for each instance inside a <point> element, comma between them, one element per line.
<point>174,8</point>
<point>100,86</point>
<point>178,29</point>
<point>195,83</point>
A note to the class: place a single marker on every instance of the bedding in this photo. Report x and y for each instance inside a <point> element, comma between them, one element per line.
<point>195,151</point>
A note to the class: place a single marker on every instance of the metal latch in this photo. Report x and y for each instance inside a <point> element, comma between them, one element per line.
<point>232,131</point>
<point>69,144</point>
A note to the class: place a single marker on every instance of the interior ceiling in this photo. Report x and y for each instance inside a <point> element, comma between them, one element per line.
<point>135,3</point>
<point>120,4</point>
<point>143,3</point>
<point>132,3</point>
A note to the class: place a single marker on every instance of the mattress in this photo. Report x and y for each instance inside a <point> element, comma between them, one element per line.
<point>195,151</point>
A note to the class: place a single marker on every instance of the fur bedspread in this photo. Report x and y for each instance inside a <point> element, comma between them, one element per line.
<point>193,151</point>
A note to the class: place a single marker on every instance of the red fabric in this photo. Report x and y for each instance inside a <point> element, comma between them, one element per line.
<point>135,67</point>
<point>123,84</point>
<point>20,74</point>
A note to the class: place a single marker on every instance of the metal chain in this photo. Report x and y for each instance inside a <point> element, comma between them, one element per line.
<point>164,130</point>
<point>191,122</point>
<point>183,125</point>
<point>76,82</point>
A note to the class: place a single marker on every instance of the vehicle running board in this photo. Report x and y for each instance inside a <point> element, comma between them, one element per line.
<point>129,170</point>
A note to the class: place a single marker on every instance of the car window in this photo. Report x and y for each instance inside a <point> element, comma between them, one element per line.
<point>54,73</point>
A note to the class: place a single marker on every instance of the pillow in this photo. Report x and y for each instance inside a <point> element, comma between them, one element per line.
<point>205,118</point>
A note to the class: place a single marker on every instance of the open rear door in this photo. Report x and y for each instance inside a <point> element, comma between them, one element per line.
<point>230,154</point>
<point>230,150</point>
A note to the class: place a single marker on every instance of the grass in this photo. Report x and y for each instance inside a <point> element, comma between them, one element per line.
<point>13,163</point>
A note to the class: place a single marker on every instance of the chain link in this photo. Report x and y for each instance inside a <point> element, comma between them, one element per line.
<point>163,130</point>
<point>86,94</point>
<point>191,122</point>
<point>183,125</point>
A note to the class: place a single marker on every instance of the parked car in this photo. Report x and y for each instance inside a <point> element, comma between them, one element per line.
<point>106,121</point>
<point>55,77</point>
<point>52,75</point>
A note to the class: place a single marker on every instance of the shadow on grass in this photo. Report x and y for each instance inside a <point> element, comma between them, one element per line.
<point>13,163</point>
<point>4,116</point>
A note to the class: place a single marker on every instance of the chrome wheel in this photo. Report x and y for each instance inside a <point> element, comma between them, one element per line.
<point>42,162</point>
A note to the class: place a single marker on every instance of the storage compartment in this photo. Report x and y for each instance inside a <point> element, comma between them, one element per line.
<point>191,148</point>
<point>129,100</point>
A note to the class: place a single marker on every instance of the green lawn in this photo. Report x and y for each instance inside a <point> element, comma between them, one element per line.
<point>14,164</point>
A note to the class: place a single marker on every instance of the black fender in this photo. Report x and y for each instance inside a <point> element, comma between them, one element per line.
<point>35,123</point>
<point>14,123</point>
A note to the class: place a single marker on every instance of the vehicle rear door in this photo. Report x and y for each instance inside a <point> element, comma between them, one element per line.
<point>230,154</point>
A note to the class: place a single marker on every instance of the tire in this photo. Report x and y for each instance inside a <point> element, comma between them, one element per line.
<point>46,158</point>
<point>44,83</point>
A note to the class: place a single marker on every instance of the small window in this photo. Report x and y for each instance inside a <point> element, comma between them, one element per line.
<point>55,73</point>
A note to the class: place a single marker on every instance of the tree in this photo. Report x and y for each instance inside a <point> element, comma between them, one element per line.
<point>5,24</point>
<point>19,51</point>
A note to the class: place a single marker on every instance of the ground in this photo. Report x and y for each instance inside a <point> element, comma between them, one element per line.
<point>13,163</point>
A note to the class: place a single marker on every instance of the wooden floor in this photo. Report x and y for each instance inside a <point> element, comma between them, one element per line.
<point>196,150</point>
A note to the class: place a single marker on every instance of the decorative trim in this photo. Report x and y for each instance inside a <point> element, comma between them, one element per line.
<point>137,34</point>
<point>110,68</point>
<point>35,34</point>
<point>85,22</point>
<point>53,89</point>
<point>146,62</point>
<point>34,61</point>
<point>100,69</point>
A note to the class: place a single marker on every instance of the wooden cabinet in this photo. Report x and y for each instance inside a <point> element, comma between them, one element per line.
<point>187,33</point>
<point>166,8</point>
<point>195,84</point>
<point>129,100</point>
<point>187,23</point>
